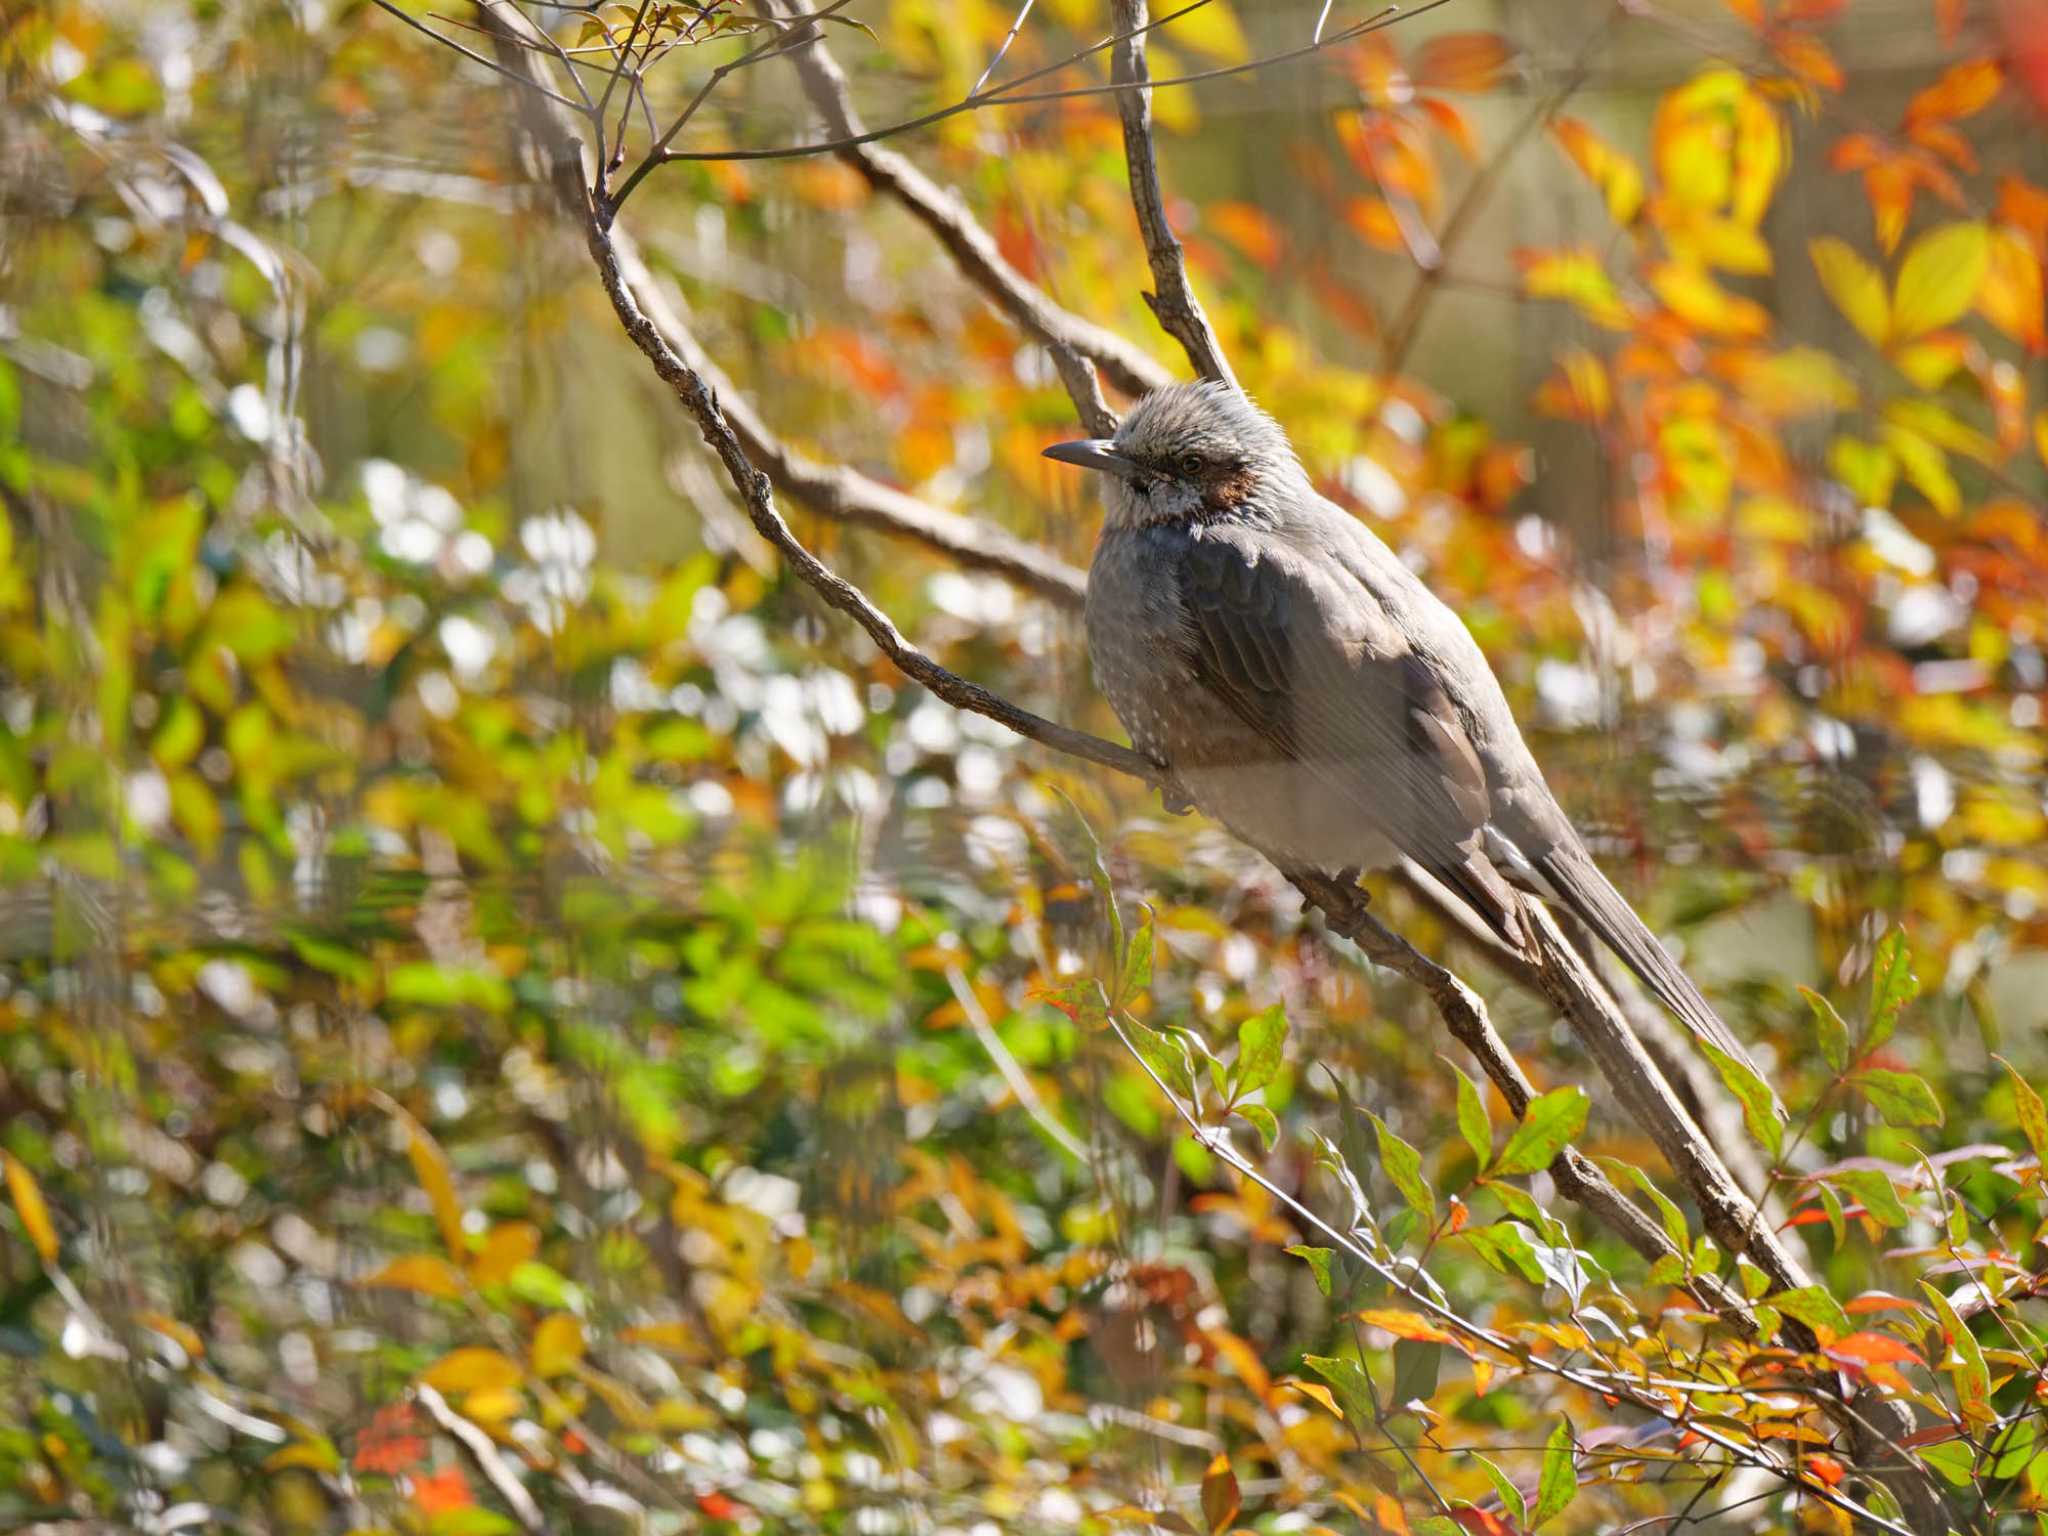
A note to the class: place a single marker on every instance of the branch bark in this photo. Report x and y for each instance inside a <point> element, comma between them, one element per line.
<point>1173,300</point>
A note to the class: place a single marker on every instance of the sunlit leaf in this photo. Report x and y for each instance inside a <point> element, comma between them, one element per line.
<point>1829,1027</point>
<point>558,1344</point>
<point>473,1369</point>
<point>1559,1483</point>
<point>1939,278</point>
<point>1474,1124</point>
<point>1460,61</point>
<point>1318,1261</point>
<point>1900,1097</point>
<point>1546,1126</point>
<point>1855,286</point>
<point>29,1205</point>
<point>1403,1165</point>
<point>426,1273</point>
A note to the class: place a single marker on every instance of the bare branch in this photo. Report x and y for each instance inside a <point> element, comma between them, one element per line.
<point>1173,301</point>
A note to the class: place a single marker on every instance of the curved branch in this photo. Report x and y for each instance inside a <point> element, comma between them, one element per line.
<point>833,490</point>
<point>1173,300</point>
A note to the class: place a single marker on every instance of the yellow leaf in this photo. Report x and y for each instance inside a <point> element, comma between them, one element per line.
<point>509,1245</point>
<point>1929,361</point>
<point>473,1370</point>
<point>492,1405</point>
<point>1855,286</point>
<point>314,1455</point>
<point>427,1273</point>
<point>2011,297</point>
<point>1212,30</point>
<point>1173,108</point>
<point>430,1167</point>
<point>29,1206</point>
<point>1689,293</point>
<point>1926,467</point>
<point>2041,435</point>
<point>1403,1324</point>
<point>557,1344</point>
<point>1315,1390</point>
<point>1939,278</point>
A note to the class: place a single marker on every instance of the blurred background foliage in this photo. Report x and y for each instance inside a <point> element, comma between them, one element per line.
<point>512,1016</point>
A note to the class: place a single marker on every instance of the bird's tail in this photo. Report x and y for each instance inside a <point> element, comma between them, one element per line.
<point>1579,883</point>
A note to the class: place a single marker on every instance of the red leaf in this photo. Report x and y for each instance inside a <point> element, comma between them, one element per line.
<point>1827,1469</point>
<point>1967,88</point>
<point>720,1506</point>
<point>1873,1349</point>
<point>443,1490</point>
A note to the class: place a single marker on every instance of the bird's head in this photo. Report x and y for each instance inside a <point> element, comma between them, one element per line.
<point>1189,453</point>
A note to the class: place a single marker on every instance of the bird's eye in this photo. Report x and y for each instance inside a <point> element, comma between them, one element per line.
<point>1192,463</point>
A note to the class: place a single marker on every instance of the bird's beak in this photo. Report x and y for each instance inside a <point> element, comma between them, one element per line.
<point>1095,453</point>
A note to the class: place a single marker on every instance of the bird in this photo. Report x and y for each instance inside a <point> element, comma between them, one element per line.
<point>1304,687</point>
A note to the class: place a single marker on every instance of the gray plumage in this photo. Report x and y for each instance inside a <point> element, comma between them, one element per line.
<point>1310,692</point>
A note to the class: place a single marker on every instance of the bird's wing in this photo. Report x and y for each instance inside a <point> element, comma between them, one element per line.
<point>1305,656</point>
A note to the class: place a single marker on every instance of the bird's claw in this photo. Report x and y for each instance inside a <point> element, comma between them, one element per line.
<point>1175,800</point>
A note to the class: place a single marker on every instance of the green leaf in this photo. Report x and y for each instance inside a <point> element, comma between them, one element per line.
<point>1816,1307</point>
<point>1510,1496</point>
<point>1900,1097</point>
<point>1549,1123</point>
<point>1473,1122</point>
<point>2033,1114</point>
<point>1416,1365</point>
<point>1874,1192</point>
<point>1970,1373</point>
<point>1348,1384</point>
<point>1318,1260</point>
<point>1759,1104</point>
<point>2014,1447</point>
<point>1834,1034</point>
<point>1135,974</point>
<point>334,959</point>
<point>1667,1212</point>
<point>1260,1040</point>
<point>1166,1053</point>
<point>1559,1484</point>
<point>1506,1248</point>
<point>1954,1460</point>
<point>1404,1167</point>
<point>1892,986</point>
<point>1263,1121</point>
<point>1831,1207</point>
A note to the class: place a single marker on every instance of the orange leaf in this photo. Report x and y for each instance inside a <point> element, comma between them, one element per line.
<point>426,1273</point>
<point>1404,1325</point>
<point>1808,58</point>
<point>30,1207</point>
<point>1826,1469</point>
<point>1461,61</point>
<point>1374,222</point>
<point>1874,1349</point>
<point>1616,175</point>
<point>1455,125</point>
<point>1881,1301</point>
<point>1251,229</point>
<point>1220,1497</point>
<point>2011,295</point>
<point>443,1490</point>
<point>430,1167</point>
<point>1965,89</point>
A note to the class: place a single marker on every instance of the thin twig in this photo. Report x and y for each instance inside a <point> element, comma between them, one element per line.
<point>1173,298</point>
<point>1007,1064</point>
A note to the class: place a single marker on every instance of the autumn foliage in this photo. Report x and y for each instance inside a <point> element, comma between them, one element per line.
<point>513,1017</point>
